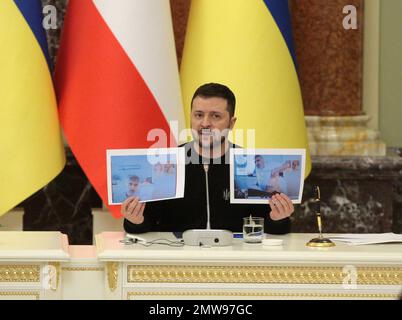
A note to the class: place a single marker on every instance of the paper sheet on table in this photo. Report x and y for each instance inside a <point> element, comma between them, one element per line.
<point>367,238</point>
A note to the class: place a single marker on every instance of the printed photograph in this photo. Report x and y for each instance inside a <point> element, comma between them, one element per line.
<point>258,174</point>
<point>150,177</point>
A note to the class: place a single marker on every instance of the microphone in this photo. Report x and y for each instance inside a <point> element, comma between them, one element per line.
<point>206,167</point>
<point>207,237</point>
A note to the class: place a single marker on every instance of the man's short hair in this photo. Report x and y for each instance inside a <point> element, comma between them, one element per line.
<point>133,178</point>
<point>210,90</point>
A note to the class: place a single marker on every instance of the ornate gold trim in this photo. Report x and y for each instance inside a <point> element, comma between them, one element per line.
<point>20,293</point>
<point>56,265</point>
<point>83,269</point>
<point>265,294</point>
<point>261,274</point>
<point>112,268</point>
<point>19,273</point>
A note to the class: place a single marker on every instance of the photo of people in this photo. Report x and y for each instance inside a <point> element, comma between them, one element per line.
<point>140,175</point>
<point>258,174</point>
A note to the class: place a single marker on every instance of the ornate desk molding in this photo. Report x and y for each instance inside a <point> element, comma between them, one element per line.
<point>112,275</point>
<point>257,295</point>
<point>260,274</point>
<point>19,273</point>
<point>19,294</point>
<point>30,264</point>
<point>293,271</point>
<point>80,269</point>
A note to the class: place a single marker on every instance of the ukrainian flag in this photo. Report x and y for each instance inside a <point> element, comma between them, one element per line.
<point>31,148</point>
<point>247,45</point>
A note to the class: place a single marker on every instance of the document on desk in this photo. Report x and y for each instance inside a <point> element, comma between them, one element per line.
<point>149,174</point>
<point>367,238</point>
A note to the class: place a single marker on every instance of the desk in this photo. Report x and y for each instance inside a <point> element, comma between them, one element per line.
<point>245,271</point>
<point>30,264</point>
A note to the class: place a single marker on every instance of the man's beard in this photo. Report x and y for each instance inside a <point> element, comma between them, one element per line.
<point>213,141</point>
<point>212,144</point>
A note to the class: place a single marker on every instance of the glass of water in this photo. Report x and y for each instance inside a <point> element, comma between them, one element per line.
<point>253,229</point>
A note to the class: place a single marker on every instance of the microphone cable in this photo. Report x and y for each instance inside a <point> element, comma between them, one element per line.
<point>206,167</point>
<point>161,241</point>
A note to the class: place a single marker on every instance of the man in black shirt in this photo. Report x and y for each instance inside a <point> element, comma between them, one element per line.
<point>212,116</point>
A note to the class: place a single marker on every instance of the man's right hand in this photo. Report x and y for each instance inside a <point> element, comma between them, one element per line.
<point>133,210</point>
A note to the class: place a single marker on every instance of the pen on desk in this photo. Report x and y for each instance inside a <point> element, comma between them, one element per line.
<point>320,241</point>
<point>318,209</point>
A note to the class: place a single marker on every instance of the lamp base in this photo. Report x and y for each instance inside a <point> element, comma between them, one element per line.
<point>320,242</point>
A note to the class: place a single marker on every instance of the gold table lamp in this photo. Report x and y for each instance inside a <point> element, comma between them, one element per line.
<point>320,241</point>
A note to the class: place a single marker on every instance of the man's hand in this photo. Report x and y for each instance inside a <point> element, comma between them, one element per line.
<point>133,210</point>
<point>281,206</point>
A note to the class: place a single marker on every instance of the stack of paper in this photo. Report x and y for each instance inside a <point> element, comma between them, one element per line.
<point>367,238</point>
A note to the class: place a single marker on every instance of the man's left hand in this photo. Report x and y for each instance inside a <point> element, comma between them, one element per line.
<point>281,207</point>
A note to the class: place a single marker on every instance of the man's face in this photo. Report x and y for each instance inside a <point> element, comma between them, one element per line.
<point>133,185</point>
<point>210,121</point>
<point>259,162</point>
<point>158,168</point>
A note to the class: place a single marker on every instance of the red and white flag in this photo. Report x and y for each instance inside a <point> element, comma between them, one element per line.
<point>116,80</point>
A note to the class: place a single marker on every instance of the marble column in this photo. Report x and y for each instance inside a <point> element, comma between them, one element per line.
<point>330,67</point>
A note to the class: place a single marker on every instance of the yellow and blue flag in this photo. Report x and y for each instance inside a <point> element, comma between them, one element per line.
<point>31,147</point>
<point>247,45</point>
